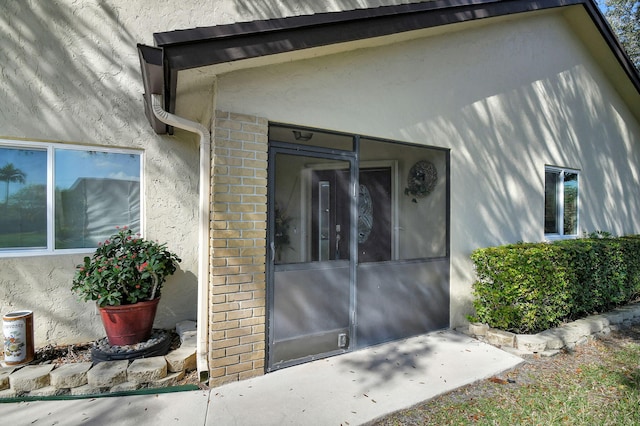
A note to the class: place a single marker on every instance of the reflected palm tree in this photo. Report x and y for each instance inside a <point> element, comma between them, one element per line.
<point>9,173</point>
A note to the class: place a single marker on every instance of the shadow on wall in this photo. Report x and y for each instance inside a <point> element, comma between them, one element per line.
<point>45,289</point>
<point>503,131</point>
<point>68,70</point>
<point>61,318</point>
<point>268,9</point>
<point>507,99</point>
<point>566,115</point>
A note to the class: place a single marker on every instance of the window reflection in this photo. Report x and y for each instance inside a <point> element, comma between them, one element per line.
<point>95,192</point>
<point>312,202</point>
<point>23,218</point>
<point>83,193</point>
<point>560,202</point>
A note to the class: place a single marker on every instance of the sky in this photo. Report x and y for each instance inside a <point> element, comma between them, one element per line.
<point>69,165</point>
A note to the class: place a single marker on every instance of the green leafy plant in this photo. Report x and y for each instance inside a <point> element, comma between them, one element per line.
<point>522,288</point>
<point>125,269</point>
<point>530,287</point>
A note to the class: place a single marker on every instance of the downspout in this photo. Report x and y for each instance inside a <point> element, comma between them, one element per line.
<point>202,344</point>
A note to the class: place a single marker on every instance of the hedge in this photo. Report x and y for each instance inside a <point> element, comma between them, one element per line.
<point>530,287</point>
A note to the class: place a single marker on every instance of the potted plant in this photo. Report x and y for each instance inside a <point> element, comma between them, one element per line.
<point>124,276</point>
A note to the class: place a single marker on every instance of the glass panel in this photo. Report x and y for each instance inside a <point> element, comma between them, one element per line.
<point>311,209</point>
<point>402,202</point>
<point>570,203</point>
<point>311,138</point>
<point>95,192</point>
<point>311,278</point>
<point>551,179</point>
<point>23,218</point>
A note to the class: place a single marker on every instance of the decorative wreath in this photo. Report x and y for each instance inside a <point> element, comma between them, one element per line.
<point>422,178</point>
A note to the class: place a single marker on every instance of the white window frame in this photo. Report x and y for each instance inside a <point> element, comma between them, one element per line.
<point>50,147</point>
<point>560,202</point>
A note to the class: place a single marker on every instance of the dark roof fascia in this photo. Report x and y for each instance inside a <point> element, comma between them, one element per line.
<point>204,46</point>
<point>151,66</point>
<point>612,41</point>
<point>198,47</point>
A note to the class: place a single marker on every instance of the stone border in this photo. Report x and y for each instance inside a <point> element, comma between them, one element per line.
<point>566,336</point>
<point>83,378</point>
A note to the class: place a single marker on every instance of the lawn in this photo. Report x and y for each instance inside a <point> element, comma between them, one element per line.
<point>32,239</point>
<point>597,383</point>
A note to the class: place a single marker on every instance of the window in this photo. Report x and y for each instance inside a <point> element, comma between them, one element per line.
<point>57,197</point>
<point>560,202</point>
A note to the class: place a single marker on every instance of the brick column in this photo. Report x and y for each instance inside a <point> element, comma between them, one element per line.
<point>238,235</point>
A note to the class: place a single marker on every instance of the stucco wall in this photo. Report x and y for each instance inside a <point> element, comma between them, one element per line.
<point>507,99</point>
<point>70,74</point>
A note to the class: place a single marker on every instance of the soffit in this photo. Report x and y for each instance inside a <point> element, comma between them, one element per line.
<point>213,50</point>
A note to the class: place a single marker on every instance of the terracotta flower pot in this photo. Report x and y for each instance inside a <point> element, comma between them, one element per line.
<point>129,324</point>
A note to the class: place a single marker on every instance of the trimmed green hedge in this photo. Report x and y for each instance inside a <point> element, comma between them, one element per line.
<point>530,287</point>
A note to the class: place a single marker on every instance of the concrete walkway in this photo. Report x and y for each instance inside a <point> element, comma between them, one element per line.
<point>350,389</point>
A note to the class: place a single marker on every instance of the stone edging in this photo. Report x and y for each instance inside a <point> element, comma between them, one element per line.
<point>83,378</point>
<point>566,336</point>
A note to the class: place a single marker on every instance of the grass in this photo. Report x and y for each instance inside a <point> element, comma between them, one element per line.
<point>25,239</point>
<point>596,385</point>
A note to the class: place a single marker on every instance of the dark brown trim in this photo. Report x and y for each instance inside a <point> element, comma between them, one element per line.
<point>152,69</point>
<point>199,47</point>
<point>192,48</point>
<point>609,36</point>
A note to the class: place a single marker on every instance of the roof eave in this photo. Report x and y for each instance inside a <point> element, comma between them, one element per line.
<point>198,47</point>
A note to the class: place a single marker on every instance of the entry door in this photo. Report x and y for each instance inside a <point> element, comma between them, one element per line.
<point>311,274</point>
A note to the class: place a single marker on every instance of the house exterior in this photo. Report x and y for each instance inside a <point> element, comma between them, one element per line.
<point>324,174</point>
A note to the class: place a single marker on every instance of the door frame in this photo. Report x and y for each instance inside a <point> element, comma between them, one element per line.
<point>331,155</point>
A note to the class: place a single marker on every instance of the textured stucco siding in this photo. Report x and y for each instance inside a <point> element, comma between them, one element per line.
<point>507,99</point>
<point>69,73</point>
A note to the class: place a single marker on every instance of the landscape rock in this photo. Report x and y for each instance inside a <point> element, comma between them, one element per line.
<point>531,343</point>
<point>86,390</point>
<point>184,326</point>
<point>8,393</point>
<point>501,338</point>
<point>146,370</point>
<point>170,380</point>
<point>30,378</point>
<point>553,339</point>
<point>4,377</point>
<point>46,391</point>
<point>107,374</point>
<point>70,375</point>
<point>125,387</point>
<point>182,359</point>
<point>478,329</point>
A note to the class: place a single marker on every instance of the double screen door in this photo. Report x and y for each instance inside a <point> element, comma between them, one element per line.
<point>350,264</point>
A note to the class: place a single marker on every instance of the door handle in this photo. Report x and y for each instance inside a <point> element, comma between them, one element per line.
<point>273,251</point>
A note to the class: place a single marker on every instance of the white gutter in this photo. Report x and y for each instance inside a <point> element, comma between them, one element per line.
<point>203,228</point>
